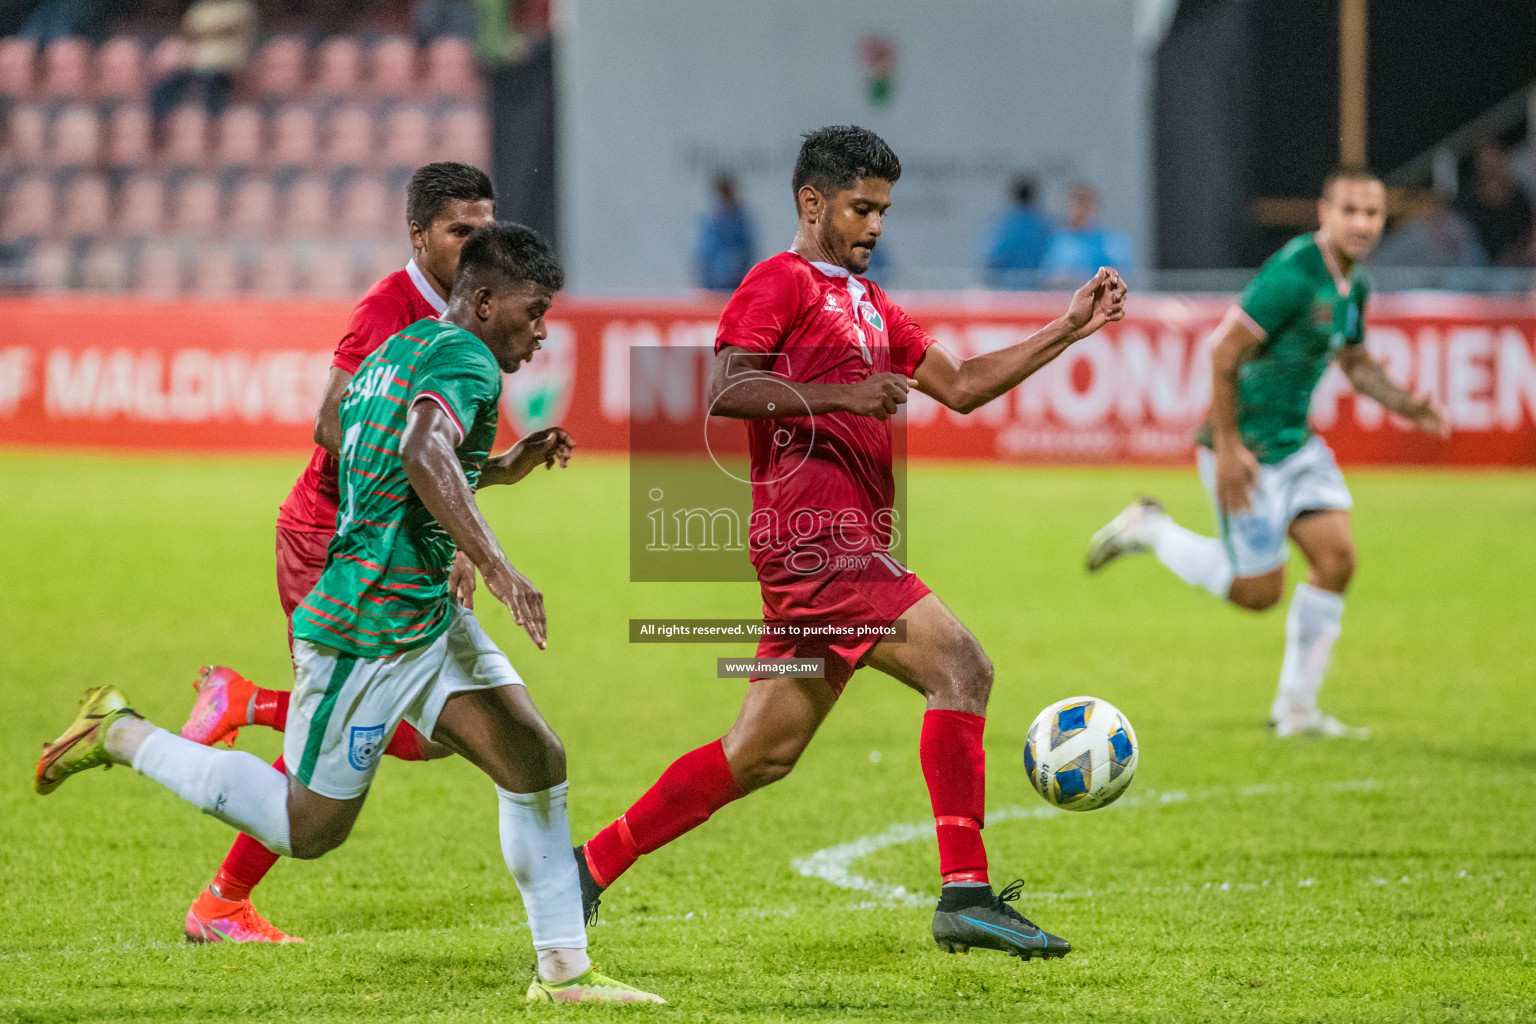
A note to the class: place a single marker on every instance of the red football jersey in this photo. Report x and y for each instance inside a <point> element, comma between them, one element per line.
<point>390,306</point>
<point>827,477</point>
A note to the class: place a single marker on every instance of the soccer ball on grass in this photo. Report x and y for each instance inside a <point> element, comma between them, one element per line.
<point>1080,753</point>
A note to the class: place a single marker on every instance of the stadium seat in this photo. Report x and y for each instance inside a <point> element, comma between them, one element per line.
<point>350,137</point>
<point>217,272</point>
<point>327,270</point>
<point>27,136</point>
<point>394,68</point>
<point>141,207</point>
<point>128,133</point>
<point>87,205</point>
<point>240,137</point>
<point>280,74</point>
<point>465,136</point>
<point>66,68</point>
<point>306,209</point>
<point>273,276</point>
<point>338,68</point>
<point>105,267</point>
<point>17,59</point>
<point>170,54</point>
<point>120,69</point>
<point>49,266</point>
<point>451,68</point>
<point>294,136</point>
<point>76,137</point>
<point>253,208</point>
<point>364,210</point>
<point>186,136</point>
<point>160,270</point>
<point>407,136</point>
<point>384,258</point>
<point>29,208</point>
<point>197,204</point>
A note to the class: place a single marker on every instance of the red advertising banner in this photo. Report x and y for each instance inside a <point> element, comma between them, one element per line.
<point>224,376</point>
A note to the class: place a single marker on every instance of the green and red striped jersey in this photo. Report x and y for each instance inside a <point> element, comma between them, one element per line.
<point>385,585</point>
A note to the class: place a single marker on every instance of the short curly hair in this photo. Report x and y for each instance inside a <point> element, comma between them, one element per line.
<point>513,251</point>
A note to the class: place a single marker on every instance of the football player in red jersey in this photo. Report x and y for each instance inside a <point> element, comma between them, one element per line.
<point>445,202</point>
<point>817,359</point>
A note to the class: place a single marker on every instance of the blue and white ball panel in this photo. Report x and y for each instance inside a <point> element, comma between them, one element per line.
<point>1080,753</point>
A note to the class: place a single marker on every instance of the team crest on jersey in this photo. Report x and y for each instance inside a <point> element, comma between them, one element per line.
<point>871,316</point>
<point>364,746</point>
<point>539,393</point>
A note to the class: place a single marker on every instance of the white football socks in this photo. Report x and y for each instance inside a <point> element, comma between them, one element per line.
<point>1311,627</point>
<point>1197,560</point>
<point>239,789</point>
<point>536,842</point>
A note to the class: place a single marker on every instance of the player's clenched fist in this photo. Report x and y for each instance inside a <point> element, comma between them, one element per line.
<point>879,394</point>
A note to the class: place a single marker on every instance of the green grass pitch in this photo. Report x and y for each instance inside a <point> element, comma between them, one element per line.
<point>1241,878</point>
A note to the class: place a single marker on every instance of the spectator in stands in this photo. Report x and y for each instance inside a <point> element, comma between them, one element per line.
<point>60,19</point>
<point>1082,247</point>
<point>1436,236</point>
<point>431,19</point>
<point>1018,240</point>
<point>1497,206</point>
<point>724,252</point>
<point>222,35</point>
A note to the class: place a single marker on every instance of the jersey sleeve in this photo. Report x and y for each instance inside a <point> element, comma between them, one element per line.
<point>465,383</point>
<point>1276,296</point>
<point>373,322</point>
<point>762,311</point>
<point>908,342</point>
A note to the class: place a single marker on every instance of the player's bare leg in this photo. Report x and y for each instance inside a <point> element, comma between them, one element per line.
<point>1313,624</point>
<point>944,662</point>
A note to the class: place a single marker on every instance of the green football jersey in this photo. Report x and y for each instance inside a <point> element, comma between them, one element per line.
<point>385,585</point>
<point>1306,311</point>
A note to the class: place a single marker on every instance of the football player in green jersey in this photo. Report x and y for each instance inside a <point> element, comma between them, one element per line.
<point>1269,475</point>
<point>380,638</point>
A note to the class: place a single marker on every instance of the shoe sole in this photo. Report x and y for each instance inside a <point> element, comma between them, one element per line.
<point>954,946</point>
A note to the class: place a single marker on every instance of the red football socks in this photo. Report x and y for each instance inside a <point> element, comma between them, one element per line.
<point>247,862</point>
<point>954,766</point>
<point>695,786</point>
<point>270,708</point>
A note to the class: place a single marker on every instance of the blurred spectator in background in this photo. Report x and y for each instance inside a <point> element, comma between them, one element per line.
<point>1497,206</point>
<point>1082,247</point>
<point>58,19</point>
<point>1018,240</point>
<point>432,19</point>
<point>724,252</point>
<point>1436,236</point>
<point>221,35</point>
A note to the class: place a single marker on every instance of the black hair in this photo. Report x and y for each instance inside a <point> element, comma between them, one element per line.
<point>833,158</point>
<point>1023,189</point>
<point>512,251</point>
<point>434,186</point>
<point>1348,172</point>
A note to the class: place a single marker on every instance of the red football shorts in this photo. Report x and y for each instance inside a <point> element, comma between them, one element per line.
<point>878,593</point>
<point>300,559</point>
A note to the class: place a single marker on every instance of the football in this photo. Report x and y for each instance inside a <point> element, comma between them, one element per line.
<point>1080,753</point>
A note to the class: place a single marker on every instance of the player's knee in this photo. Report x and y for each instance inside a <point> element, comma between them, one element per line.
<point>311,843</point>
<point>767,766</point>
<point>1335,568</point>
<point>1257,593</point>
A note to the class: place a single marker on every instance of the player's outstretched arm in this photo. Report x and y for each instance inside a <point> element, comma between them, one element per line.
<point>965,385</point>
<point>741,389</point>
<point>1237,469</point>
<point>432,467</point>
<point>541,448</point>
<point>1369,378</point>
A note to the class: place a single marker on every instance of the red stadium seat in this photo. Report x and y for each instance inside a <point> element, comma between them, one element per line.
<point>350,137</point>
<point>66,68</point>
<point>27,136</point>
<point>451,68</point>
<point>105,267</point>
<point>466,136</point>
<point>141,208</point>
<point>197,204</point>
<point>76,137</point>
<point>280,74</point>
<point>161,273</point>
<point>217,272</point>
<point>394,68</point>
<point>306,209</point>
<point>253,208</point>
<point>120,69</point>
<point>329,273</point>
<point>49,267</point>
<point>128,134</point>
<point>273,277</point>
<point>17,59</point>
<point>338,68</point>
<point>170,54</point>
<point>240,137</point>
<point>364,210</point>
<point>87,203</point>
<point>384,258</point>
<point>29,209</point>
<point>294,134</point>
<point>407,136</point>
<point>186,137</point>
